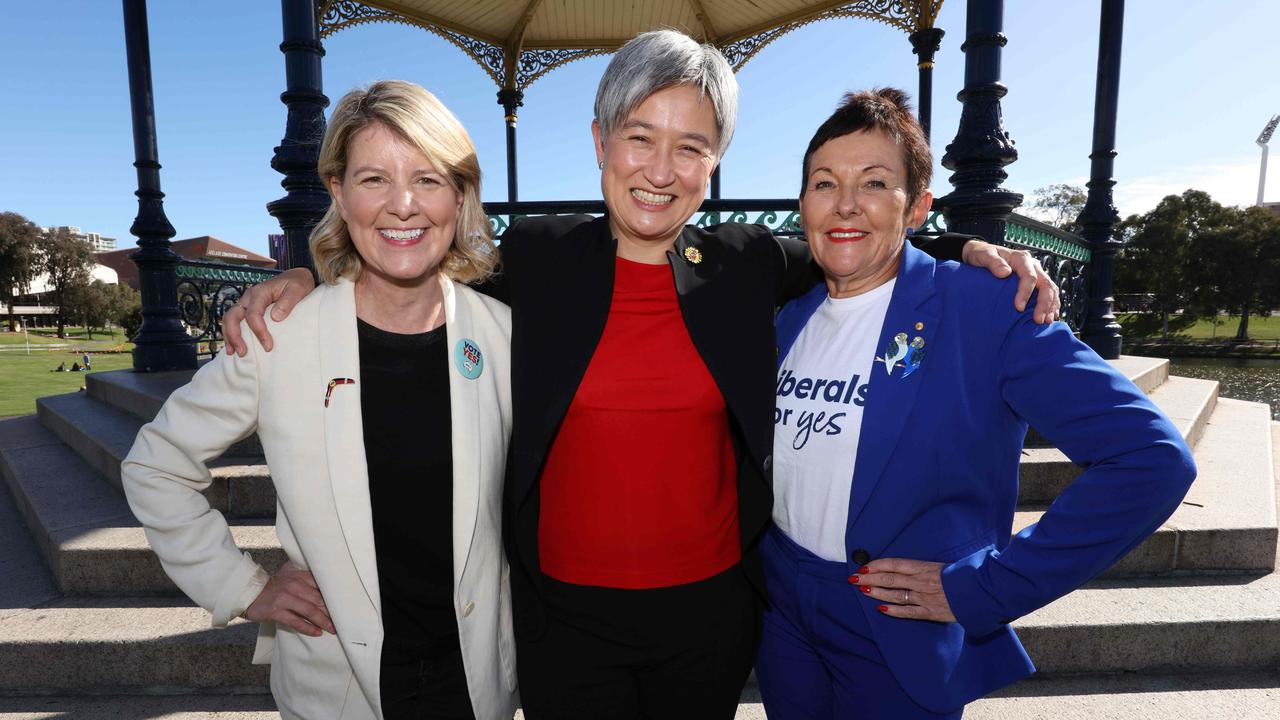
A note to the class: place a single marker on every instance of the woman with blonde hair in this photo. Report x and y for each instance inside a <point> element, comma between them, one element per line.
<point>384,416</point>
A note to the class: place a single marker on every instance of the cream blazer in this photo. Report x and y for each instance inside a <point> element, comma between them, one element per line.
<point>313,439</point>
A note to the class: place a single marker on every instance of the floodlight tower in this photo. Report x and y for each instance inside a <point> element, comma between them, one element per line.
<point>1263,139</point>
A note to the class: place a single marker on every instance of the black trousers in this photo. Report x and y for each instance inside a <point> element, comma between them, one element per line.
<point>666,653</point>
<point>417,685</point>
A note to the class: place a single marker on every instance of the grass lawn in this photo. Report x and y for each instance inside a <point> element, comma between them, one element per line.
<point>23,378</point>
<point>1147,325</point>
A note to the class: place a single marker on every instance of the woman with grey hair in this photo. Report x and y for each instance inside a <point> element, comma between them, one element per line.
<point>637,485</point>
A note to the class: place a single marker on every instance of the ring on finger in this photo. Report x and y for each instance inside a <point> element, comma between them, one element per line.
<point>906,596</point>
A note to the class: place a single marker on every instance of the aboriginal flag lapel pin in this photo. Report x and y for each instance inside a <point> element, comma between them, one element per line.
<point>328,392</point>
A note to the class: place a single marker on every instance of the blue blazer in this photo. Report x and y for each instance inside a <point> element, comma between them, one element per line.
<point>936,476</point>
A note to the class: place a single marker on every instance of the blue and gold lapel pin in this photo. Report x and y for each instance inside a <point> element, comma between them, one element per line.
<point>692,255</point>
<point>901,352</point>
<point>328,392</point>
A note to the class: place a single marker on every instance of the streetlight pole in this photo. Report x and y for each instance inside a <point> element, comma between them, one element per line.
<point>1262,141</point>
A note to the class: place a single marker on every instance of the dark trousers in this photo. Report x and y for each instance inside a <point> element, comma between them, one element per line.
<point>418,685</point>
<point>669,653</point>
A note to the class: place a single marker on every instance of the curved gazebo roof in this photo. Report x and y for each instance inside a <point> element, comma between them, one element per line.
<point>518,41</point>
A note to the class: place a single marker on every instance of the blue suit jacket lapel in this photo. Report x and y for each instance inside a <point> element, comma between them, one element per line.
<point>890,396</point>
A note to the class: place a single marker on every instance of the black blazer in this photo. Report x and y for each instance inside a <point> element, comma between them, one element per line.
<point>557,275</point>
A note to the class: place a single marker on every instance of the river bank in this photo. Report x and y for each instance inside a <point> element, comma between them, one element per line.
<point>1252,379</point>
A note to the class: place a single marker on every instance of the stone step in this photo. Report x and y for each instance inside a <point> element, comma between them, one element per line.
<point>102,435</point>
<point>84,530</point>
<point>139,394</point>
<point>1188,402</point>
<point>143,394</point>
<point>1238,695</point>
<point>187,706</point>
<point>1227,523</point>
<point>1158,625</point>
<point>112,645</point>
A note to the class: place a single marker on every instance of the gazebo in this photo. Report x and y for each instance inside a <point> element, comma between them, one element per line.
<point>518,41</point>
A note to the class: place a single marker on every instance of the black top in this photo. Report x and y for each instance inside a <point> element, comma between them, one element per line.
<point>404,399</point>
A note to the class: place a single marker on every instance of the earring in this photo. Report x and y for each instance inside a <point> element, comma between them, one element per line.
<point>600,164</point>
<point>910,231</point>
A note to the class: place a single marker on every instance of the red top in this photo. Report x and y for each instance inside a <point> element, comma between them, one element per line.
<point>639,489</point>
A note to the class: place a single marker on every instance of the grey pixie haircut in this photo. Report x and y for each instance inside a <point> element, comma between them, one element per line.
<point>657,60</point>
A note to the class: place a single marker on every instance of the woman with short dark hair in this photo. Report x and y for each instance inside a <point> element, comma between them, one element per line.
<point>904,391</point>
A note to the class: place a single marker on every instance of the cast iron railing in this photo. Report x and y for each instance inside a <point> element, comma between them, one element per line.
<point>1063,255</point>
<point>206,290</point>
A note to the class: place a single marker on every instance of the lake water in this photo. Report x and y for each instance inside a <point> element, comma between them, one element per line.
<point>1241,378</point>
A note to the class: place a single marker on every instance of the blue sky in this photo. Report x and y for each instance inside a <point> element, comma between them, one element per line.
<point>1198,82</point>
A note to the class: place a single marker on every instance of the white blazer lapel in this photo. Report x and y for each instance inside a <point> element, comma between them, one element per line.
<point>464,400</point>
<point>344,430</point>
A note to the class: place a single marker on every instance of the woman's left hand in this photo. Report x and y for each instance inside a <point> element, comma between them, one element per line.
<point>1001,261</point>
<point>910,589</point>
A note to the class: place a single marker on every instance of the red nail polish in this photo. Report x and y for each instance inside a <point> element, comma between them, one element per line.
<point>864,570</point>
<point>853,579</point>
<point>865,590</point>
<point>884,608</point>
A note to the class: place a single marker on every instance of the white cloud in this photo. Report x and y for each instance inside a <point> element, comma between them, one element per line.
<point>1234,183</point>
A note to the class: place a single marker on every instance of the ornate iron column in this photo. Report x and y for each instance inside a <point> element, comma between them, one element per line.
<point>511,98</point>
<point>306,198</point>
<point>982,147</point>
<point>1101,331</point>
<point>925,43</point>
<point>162,343</point>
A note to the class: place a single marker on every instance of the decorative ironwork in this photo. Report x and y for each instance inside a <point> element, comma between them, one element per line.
<point>529,65</point>
<point>1065,257</point>
<point>207,290</point>
<point>908,16</point>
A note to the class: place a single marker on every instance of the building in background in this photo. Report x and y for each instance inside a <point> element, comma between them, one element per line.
<point>97,243</point>
<point>205,248</point>
<point>278,249</point>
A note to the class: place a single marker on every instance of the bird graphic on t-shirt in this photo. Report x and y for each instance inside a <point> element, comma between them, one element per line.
<point>894,352</point>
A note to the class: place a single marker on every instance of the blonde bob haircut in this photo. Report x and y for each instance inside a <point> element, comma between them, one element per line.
<point>423,121</point>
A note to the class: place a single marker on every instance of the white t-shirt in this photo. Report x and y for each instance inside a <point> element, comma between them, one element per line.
<point>821,390</point>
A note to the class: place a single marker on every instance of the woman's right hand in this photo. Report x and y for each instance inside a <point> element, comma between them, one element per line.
<point>284,291</point>
<point>292,598</point>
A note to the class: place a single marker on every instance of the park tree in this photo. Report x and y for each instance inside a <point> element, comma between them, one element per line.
<point>19,259</point>
<point>1158,256</point>
<point>124,308</point>
<point>87,304</point>
<point>1060,205</point>
<point>66,261</point>
<point>1236,263</point>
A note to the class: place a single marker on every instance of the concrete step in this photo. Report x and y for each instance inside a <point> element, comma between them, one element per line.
<point>139,394</point>
<point>1158,625</point>
<point>1188,402</point>
<point>102,435</point>
<point>1227,523</point>
<point>1238,695</point>
<point>84,530</point>
<point>202,706</point>
<point>143,394</point>
<point>132,645</point>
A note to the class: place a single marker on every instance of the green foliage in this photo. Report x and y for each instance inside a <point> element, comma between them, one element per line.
<point>1158,258</point>
<point>1060,205</point>
<point>19,258</point>
<point>67,262</point>
<point>1236,263</point>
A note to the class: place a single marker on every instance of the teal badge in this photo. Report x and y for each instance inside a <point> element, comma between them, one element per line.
<point>468,358</point>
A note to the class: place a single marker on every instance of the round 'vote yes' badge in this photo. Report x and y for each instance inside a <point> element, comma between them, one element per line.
<point>466,355</point>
